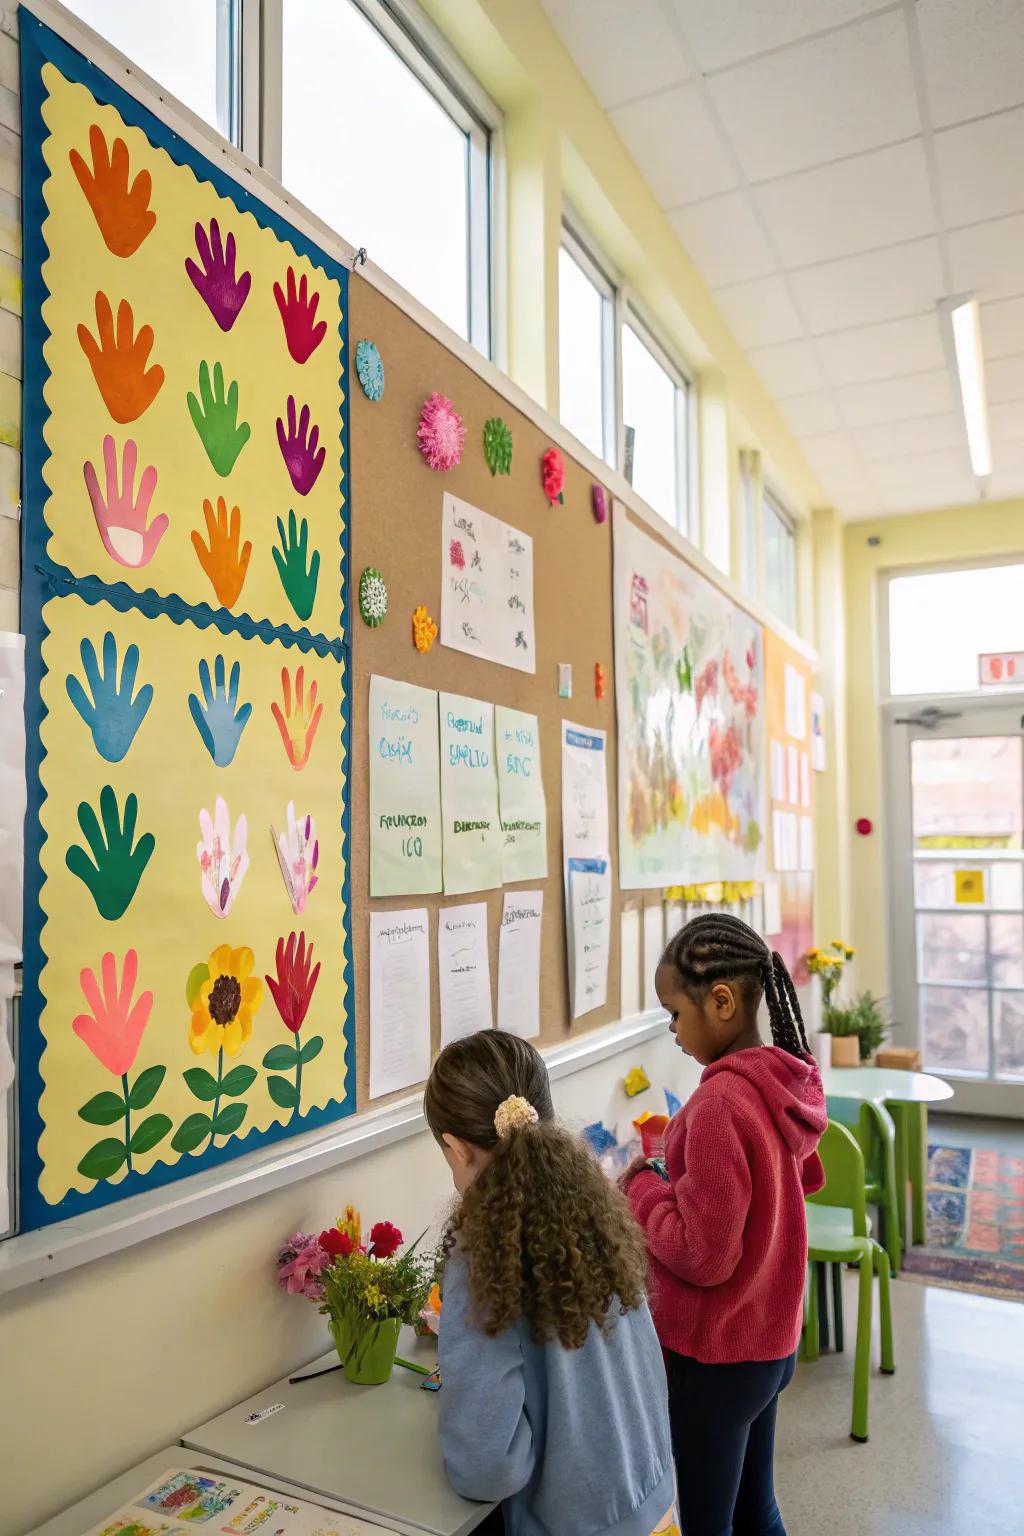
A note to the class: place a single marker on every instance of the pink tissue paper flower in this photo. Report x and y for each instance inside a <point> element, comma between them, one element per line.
<point>553,475</point>
<point>441,433</point>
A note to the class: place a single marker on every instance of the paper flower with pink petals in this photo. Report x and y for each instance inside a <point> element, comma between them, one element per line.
<point>223,858</point>
<point>553,475</point>
<point>441,433</point>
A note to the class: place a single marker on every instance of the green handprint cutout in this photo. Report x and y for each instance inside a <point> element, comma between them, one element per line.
<point>215,418</point>
<point>298,582</point>
<point>113,874</point>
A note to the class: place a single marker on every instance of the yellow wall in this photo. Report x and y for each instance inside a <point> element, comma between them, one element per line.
<point>958,534</point>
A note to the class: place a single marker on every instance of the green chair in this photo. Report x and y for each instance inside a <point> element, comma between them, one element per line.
<point>837,1234</point>
<point>875,1131</point>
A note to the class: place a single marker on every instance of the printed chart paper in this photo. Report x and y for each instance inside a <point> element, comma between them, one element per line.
<point>486,586</point>
<point>590,895</point>
<point>469,795</point>
<point>464,971</point>
<point>584,793</point>
<point>405,789</point>
<point>519,963</point>
<point>521,802</point>
<point>399,1000</point>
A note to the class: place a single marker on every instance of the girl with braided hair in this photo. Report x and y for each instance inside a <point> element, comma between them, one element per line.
<point>724,1220</point>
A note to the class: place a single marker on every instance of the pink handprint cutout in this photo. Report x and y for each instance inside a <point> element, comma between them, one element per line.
<point>302,458</point>
<point>121,519</point>
<point>298,312</point>
<point>220,290</point>
<point>115,1027</point>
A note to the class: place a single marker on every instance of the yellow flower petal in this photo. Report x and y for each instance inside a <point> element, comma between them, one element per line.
<point>242,962</point>
<point>245,1021</point>
<point>233,1037</point>
<point>220,963</point>
<point>252,991</point>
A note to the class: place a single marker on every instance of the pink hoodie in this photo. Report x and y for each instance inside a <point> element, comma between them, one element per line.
<point>727,1237</point>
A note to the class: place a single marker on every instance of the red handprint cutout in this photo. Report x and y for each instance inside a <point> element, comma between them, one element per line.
<point>119,363</point>
<point>301,716</point>
<point>299,449</point>
<point>221,291</point>
<point>298,312</point>
<point>121,519</point>
<point>121,211</point>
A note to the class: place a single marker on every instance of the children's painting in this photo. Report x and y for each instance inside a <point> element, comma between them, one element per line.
<point>689,682</point>
<point>188,970</point>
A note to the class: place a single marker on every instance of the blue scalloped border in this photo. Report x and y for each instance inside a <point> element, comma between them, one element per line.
<point>43,580</point>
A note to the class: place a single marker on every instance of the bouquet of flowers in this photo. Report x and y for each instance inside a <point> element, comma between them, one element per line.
<point>828,964</point>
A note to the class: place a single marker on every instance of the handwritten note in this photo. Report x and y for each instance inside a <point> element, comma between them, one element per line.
<point>399,1000</point>
<point>519,963</point>
<point>486,586</point>
<point>405,789</point>
<point>590,894</point>
<point>524,814</point>
<point>464,971</point>
<point>471,827</point>
<point>584,793</point>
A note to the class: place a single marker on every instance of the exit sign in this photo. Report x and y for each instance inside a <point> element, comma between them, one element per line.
<point>1000,668</point>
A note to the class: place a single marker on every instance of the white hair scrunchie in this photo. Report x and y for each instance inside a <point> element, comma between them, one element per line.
<point>512,1115</point>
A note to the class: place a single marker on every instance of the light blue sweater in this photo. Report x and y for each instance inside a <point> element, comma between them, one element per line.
<point>575,1442</point>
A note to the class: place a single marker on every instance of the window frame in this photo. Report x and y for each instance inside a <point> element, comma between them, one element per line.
<point>599,273</point>
<point>631,313</point>
<point>771,500</point>
<point>749,561</point>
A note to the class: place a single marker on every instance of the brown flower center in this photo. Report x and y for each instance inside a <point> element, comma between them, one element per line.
<point>225,999</point>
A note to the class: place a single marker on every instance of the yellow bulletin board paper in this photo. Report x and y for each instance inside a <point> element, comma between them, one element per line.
<point>188,976</point>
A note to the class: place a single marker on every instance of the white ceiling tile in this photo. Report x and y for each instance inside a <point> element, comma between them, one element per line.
<point>901,439</point>
<point>1002,327</point>
<point>676,146</point>
<point>866,289</point>
<point>1004,380</point>
<point>790,368</point>
<point>725,239</point>
<point>981,168</point>
<point>920,469</point>
<point>852,205</point>
<point>988,259</point>
<point>835,95</point>
<point>882,351</point>
<point>849,485</point>
<point>1006,422</point>
<point>622,51</point>
<point>759,313</point>
<point>888,400</point>
<point>721,32</point>
<point>929,496</point>
<point>832,450</point>
<point>973,56</point>
<point>808,415</point>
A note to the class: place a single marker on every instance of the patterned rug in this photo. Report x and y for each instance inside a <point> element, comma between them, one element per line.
<point>975,1222</point>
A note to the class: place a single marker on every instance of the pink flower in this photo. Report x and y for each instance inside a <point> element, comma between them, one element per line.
<point>441,433</point>
<point>385,1239</point>
<point>456,556</point>
<point>298,1274</point>
<point>553,475</point>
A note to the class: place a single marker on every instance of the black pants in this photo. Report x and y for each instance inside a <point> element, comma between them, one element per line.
<point>723,1437</point>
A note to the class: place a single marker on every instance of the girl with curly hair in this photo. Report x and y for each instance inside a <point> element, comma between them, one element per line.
<point>554,1399</point>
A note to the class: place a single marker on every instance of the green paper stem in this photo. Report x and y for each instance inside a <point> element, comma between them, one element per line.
<point>127,1122</point>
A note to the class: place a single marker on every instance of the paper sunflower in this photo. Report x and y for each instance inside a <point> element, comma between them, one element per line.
<point>223,996</point>
<point>441,433</point>
<point>553,475</point>
<point>373,598</point>
<point>498,446</point>
<point>424,630</point>
<point>370,369</point>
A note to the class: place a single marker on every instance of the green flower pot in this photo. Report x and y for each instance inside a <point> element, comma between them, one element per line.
<point>366,1348</point>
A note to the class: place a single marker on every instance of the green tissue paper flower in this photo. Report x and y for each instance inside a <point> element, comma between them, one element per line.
<point>498,446</point>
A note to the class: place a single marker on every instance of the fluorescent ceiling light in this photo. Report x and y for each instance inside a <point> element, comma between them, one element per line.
<point>970,367</point>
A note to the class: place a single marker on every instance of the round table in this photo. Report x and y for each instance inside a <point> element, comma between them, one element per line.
<point>907,1096</point>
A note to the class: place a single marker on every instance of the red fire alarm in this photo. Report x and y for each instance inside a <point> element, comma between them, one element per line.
<point>864,826</point>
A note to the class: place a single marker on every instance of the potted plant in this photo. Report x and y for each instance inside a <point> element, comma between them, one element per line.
<point>863,1025</point>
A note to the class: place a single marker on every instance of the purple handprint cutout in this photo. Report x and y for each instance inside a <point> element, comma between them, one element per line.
<point>301,456</point>
<point>298,314</point>
<point>220,290</point>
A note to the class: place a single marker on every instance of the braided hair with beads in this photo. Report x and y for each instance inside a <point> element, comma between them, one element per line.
<point>717,947</point>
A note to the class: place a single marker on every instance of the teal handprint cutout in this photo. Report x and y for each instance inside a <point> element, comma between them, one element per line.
<point>215,418</point>
<point>111,714</point>
<point>218,719</point>
<point>299,582</point>
<point>113,873</point>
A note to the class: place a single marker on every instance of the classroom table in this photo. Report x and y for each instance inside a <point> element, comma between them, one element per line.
<point>374,1447</point>
<point>906,1095</point>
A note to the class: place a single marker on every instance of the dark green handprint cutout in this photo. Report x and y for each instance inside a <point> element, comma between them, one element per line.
<point>215,418</point>
<point>298,582</point>
<point>113,873</point>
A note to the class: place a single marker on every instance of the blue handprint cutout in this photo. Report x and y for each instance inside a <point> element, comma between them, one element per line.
<point>218,719</point>
<point>112,715</point>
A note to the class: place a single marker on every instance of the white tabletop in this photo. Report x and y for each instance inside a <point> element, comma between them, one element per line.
<point>373,1447</point>
<point>888,1084</point>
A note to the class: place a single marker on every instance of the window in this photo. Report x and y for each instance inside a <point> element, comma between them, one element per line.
<point>750,524</point>
<point>189,46</point>
<point>940,622</point>
<point>778,541</point>
<point>376,141</point>
<point>655,405</point>
<point>586,348</point>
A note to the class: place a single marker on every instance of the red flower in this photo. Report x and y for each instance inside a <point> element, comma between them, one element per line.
<point>338,1244</point>
<point>456,555</point>
<point>553,475</point>
<point>385,1239</point>
<point>292,991</point>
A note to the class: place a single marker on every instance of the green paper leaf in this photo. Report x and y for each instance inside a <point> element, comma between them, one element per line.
<point>280,1057</point>
<point>229,1119</point>
<point>145,1086</point>
<point>196,976</point>
<point>151,1131</point>
<point>282,1091</point>
<point>237,1081</point>
<point>202,1083</point>
<point>102,1160</point>
<point>191,1131</point>
<point>104,1109</point>
<point>312,1048</point>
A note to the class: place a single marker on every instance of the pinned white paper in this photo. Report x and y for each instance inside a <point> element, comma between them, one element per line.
<point>519,963</point>
<point>486,586</point>
<point>654,948</point>
<point>584,792</point>
<point>772,907</point>
<point>405,789</point>
<point>590,892</point>
<point>469,795</point>
<point>521,803</point>
<point>399,1000</point>
<point>463,971</point>
<point>629,961</point>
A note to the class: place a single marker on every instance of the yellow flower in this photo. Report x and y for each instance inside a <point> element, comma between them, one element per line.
<point>850,952</point>
<point>814,954</point>
<point>374,1297</point>
<point>350,1222</point>
<point>225,1001</point>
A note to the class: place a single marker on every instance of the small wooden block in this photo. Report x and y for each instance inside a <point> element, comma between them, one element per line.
<point>902,1057</point>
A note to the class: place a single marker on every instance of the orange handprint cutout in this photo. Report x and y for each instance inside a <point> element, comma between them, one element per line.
<point>298,724</point>
<point>122,212</point>
<point>222,561</point>
<point>119,363</point>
